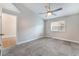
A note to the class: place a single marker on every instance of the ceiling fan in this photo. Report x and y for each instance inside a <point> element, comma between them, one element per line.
<point>49,11</point>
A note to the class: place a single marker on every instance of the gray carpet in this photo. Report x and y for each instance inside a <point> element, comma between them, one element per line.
<point>0,49</point>
<point>0,52</point>
<point>45,47</point>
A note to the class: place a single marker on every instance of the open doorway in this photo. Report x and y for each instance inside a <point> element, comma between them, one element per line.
<point>9,22</point>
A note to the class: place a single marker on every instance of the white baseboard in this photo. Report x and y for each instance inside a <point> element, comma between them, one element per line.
<point>49,37</point>
<point>28,40</point>
<point>23,42</point>
<point>66,39</point>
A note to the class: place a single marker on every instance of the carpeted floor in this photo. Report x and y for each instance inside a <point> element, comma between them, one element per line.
<point>0,49</point>
<point>45,47</point>
<point>0,52</point>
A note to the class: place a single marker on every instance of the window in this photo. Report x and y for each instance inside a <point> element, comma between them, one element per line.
<point>58,26</point>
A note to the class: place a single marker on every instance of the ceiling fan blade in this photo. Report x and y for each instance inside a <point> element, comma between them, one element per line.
<point>57,10</point>
<point>43,13</point>
<point>53,13</point>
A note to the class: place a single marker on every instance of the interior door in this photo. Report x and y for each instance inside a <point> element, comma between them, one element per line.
<point>8,30</point>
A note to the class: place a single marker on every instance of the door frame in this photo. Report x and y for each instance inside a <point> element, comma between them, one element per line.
<point>6,11</point>
<point>5,50</point>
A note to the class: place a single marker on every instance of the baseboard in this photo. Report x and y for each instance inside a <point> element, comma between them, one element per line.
<point>23,42</point>
<point>28,40</point>
<point>65,39</point>
<point>48,37</point>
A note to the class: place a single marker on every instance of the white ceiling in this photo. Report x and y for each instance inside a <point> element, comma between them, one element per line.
<point>9,6</point>
<point>68,9</point>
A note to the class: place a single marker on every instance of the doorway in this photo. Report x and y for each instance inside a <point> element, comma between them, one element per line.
<point>9,23</point>
<point>8,30</point>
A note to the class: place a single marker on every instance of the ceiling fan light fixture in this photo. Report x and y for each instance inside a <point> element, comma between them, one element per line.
<point>49,13</point>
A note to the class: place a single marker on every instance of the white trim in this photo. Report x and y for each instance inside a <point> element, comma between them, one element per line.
<point>50,37</point>
<point>27,41</point>
<point>22,42</point>
<point>65,39</point>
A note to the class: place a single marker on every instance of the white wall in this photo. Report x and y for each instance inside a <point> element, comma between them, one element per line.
<point>30,26</point>
<point>72,28</point>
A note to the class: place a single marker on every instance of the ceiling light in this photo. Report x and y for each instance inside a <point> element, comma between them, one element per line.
<point>49,13</point>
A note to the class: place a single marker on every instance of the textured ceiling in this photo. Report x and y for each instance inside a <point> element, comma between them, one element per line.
<point>9,6</point>
<point>68,9</point>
